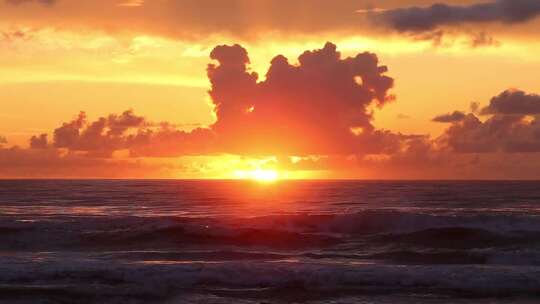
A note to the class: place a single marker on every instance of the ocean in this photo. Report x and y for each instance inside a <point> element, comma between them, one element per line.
<point>166,241</point>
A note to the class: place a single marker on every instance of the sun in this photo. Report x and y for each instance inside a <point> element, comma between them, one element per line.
<point>260,175</point>
<point>265,175</point>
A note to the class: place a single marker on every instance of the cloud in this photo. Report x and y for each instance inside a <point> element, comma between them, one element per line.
<point>513,102</point>
<point>127,131</point>
<point>474,107</point>
<point>421,158</point>
<point>482,39</point>
<point>250,20</point>
<point>14,35</point>
<point>498,134</point>
<point>132,3</point>
<point>319,109</point>
<point>19,2</point>
<point>509,130</point>
<point>247,20</point>
<point>420,19</point>
<point>312,107</point>
<point>450,117</point>
<point>322,105</point>
<point>403,116</point>
<point>3,140</point>
<point>192,19</point>
<point>102,137</point>
<point>167,141</point>
<point>52,163</point>
<point>39,142</point>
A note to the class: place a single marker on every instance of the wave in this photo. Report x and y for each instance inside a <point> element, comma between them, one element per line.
<point>160,278</point>
<point>461,238</point>
<point>288,231</point>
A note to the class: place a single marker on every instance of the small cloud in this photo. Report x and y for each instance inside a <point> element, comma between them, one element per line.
<point>436,37</point>
<point>422,19</point>
<point>482,39</point>
<point>513,128</point>
<point>16,34</point>
<point>371,10</point>
<point>513,102</point>
<point>403,116</point>
<point>450,117</point>
<point>39,142</point>
<point>131,3</point>
<point>474,107</point>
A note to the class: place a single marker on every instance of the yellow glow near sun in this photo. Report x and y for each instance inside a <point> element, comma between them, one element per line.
<point>260,175</point>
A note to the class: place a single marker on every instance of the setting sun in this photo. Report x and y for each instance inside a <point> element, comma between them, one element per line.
<point>260,175</point>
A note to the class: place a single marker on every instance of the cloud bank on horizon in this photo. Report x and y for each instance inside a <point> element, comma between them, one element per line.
<point>319,111</point>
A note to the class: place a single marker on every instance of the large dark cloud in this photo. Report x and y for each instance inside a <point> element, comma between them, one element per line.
<point>513,102</point>
<point>322,105</point>
<point>312,107</point>
<point>416,19</point>
<point>450,117</point>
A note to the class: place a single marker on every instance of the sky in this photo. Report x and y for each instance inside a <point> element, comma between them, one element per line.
<point>409,89</point>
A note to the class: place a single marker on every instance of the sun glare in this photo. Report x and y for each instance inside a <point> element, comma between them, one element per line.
<point>260,175</point>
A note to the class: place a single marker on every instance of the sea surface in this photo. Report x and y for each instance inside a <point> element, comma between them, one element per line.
<point>241,242</point>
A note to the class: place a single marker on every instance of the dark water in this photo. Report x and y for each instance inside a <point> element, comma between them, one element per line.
<point>287,242</point>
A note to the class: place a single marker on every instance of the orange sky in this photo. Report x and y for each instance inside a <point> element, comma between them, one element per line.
<point>58,58</point>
